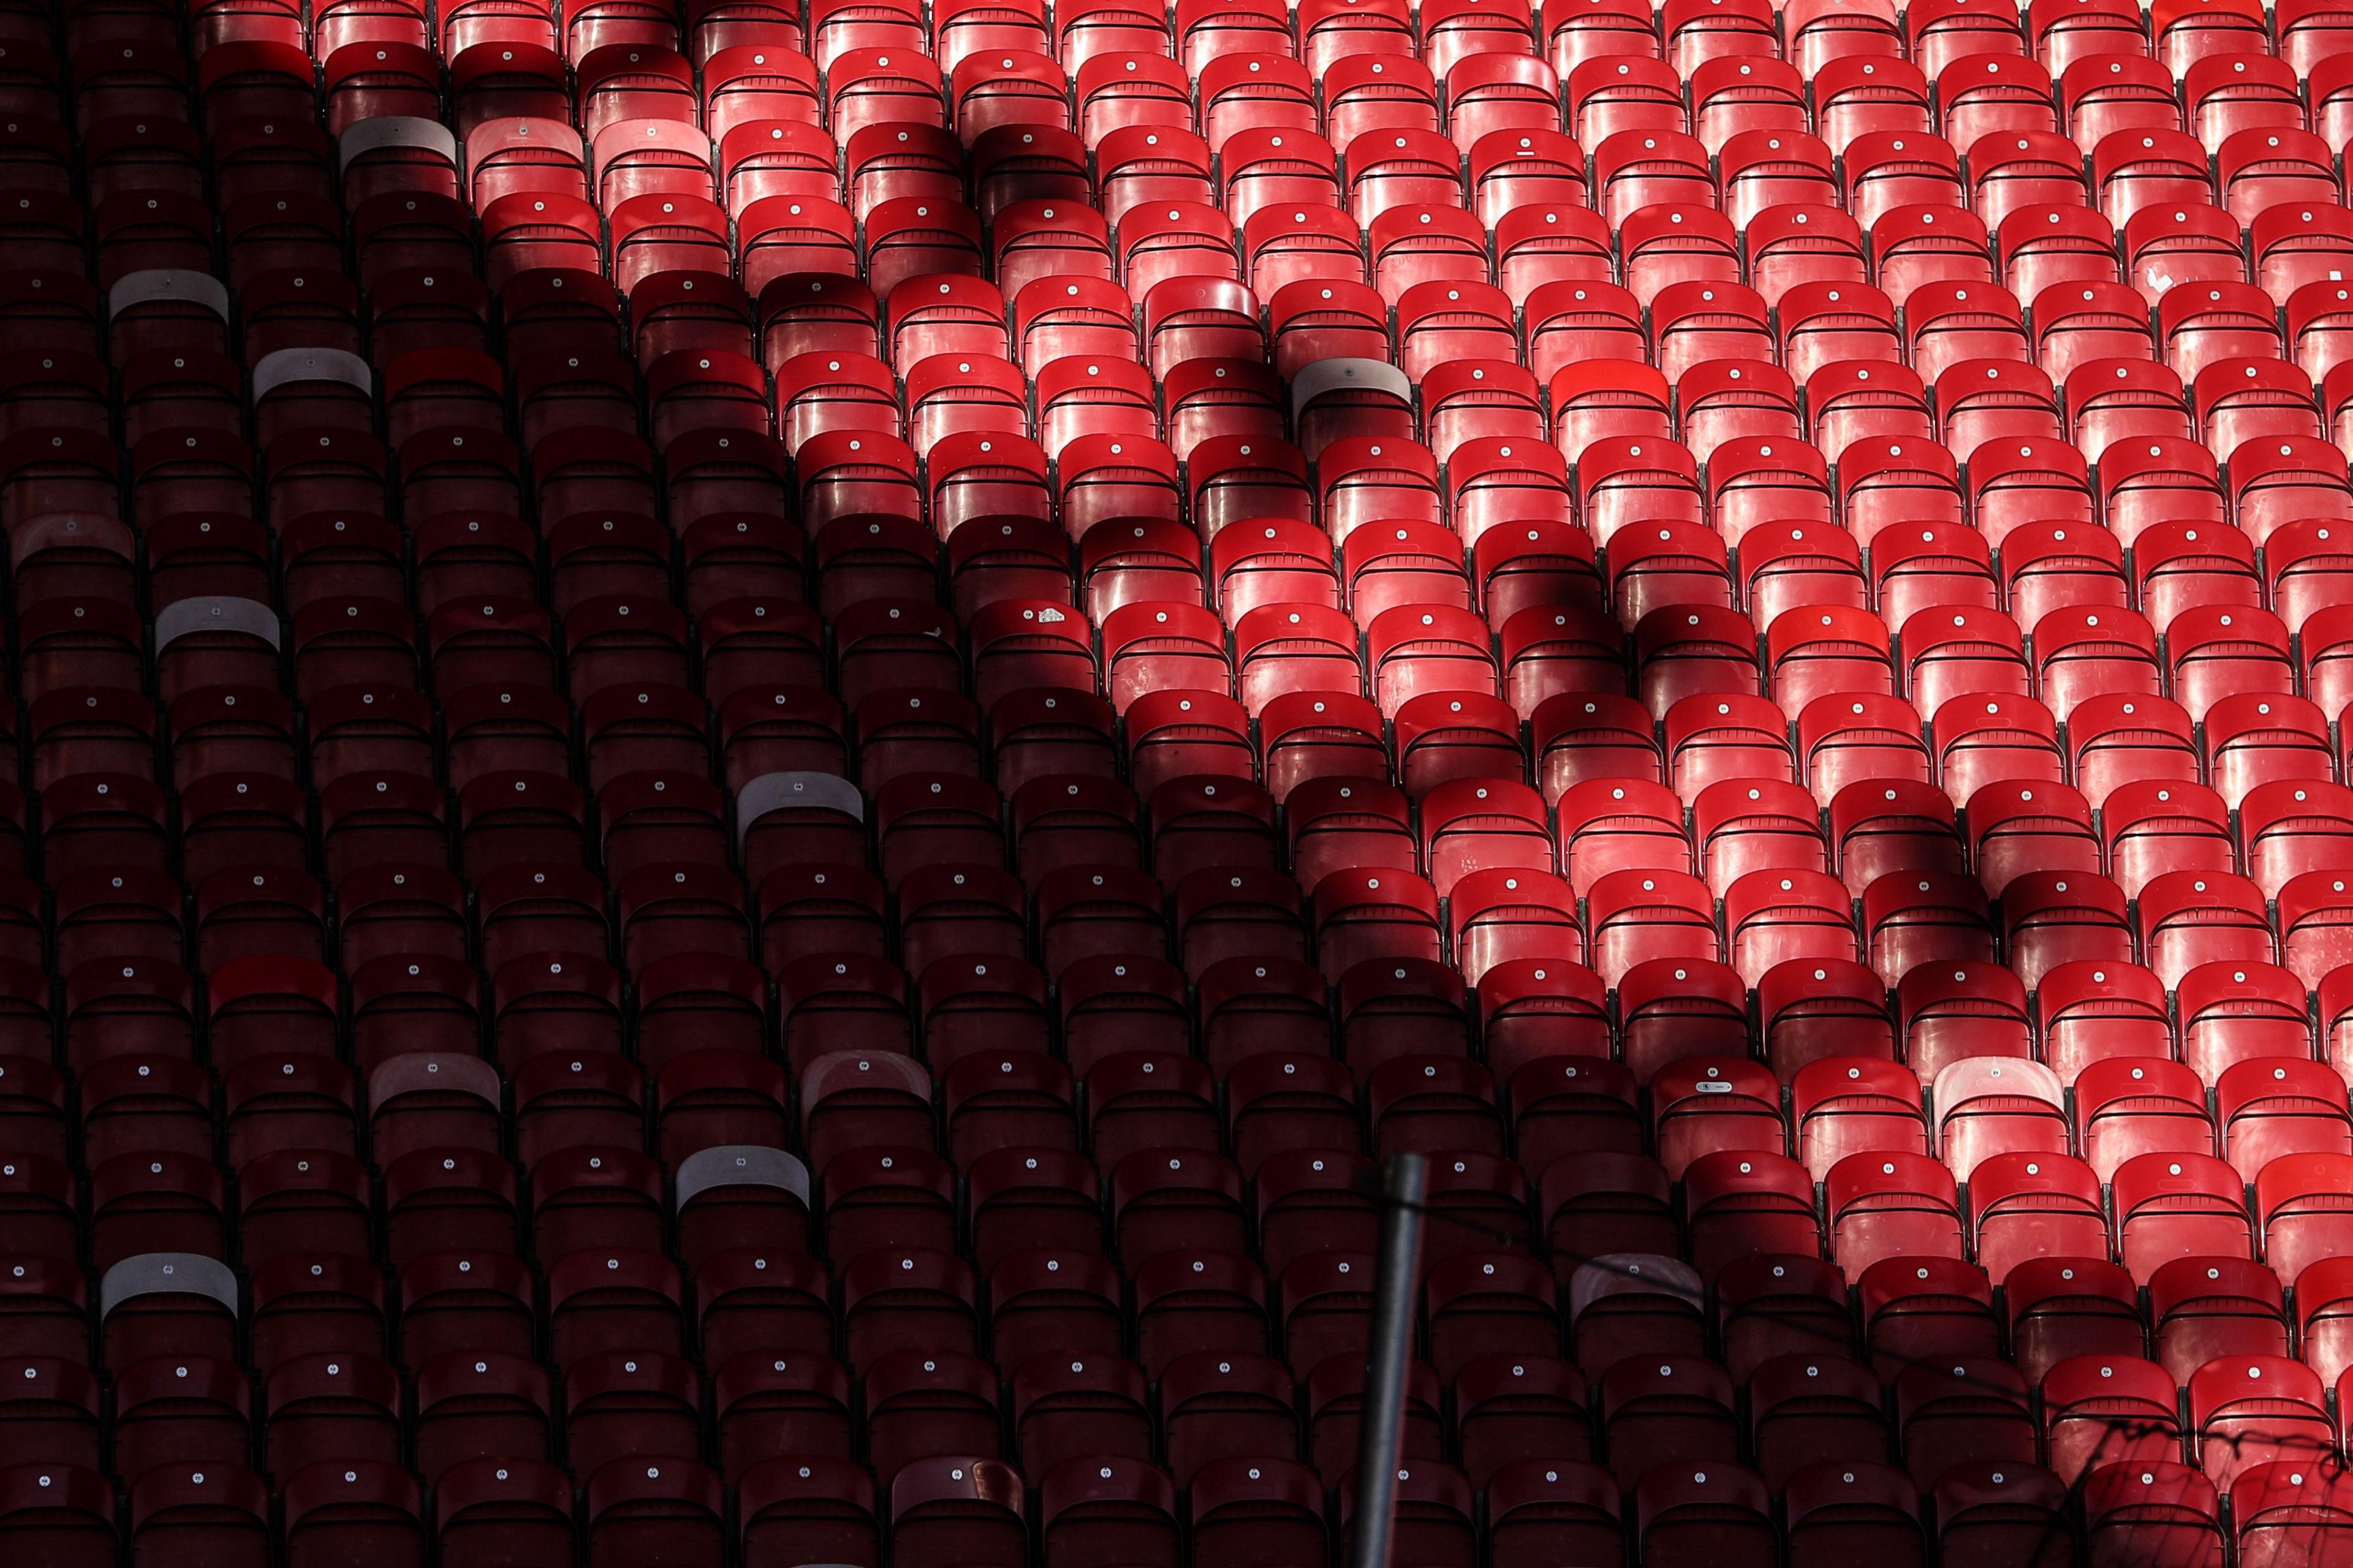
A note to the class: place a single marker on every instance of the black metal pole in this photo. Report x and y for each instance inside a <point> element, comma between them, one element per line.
<point>1388,1357</point>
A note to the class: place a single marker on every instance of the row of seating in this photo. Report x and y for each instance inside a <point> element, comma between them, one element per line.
<point>957,1505</point>
<point>1650,1410</point>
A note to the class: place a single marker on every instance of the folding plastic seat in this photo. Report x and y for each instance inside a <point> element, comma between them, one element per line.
<point>611,23</point>
<point>1521,1416</point>
<point>140,1200</point>
<point>1743,1203</point>
<point>1367,93</point>
<point>718,1098</point>
<point>1951,1415</point>
<point>1110,28</point>
<point>2221,339</point>
<point>1653,913</point>
<point>600,1300</point>
<point>160,1304</point>
<point>771,1404</point>
<point>1782,1305</point>
<point>1921,1310</point>
<point>2287,499</point>
<point>1637,169</point>
<point>61,311</point>
<point>1808,246</point>
<point>1891,1204</point>
<point>2229,93</point>
<point>1672,1009</point>
<point>1255,91</point>
<point>1131,1510</point>
<point>1720,1514</point>
<point>1502,105</point>
<point>1562,654</point>
<point>800,1503</point>
<point>2140,168</point>
<point>1695,322</point>
<point>758,83</point>
<point>2189,918</point>
<point>1433,1103</point>
<point>2178,1205</point>
<point>1906,191</point>
<point>271,1006</point>
<point>472,1406</point>
<point>594,1195</point>
<point>2189,34</point>
<point>217,1508</point>
<point>1651,1414</point>
<point>518,818</point>
<point>2326,647</point>
<point>1086,912</point>
<point>298,1199</point>
<point>521,163</point>
<point>1809,1410</point>
<point>2205,1308</point>
<point>1211,1404</point>
<point>1573,33</point>
<point>180,1410</point>
<point>778,177</point>
<point>412,999</point>
<point>847,27</point>
<point>1630,1305</point>
<point>47,230</point>
<point>1186,1302</point>
<point>2306,37</point>
<point>1735,94</point>
<point>1014,88</point>
<point>2292,1495</point>
<point>2100,1410</point>
<point>398,232</point>
<point>919,1403</point>
<point>1985,1107</point>
<point>2249,1411</point>
<point>2081,326</point>
<point>728,554</point>
<point>138,1102</point>
<point>1846,1105</point>
<point>1019,1198</point>
<point>1538,564</point>
<point>1884,480</point>
<point>1485,1198</point>
<point>1325,1313</point>
<point>2107,92</point>
<point>114,1007</point>
<point>1434,249</point>
<point>345,1403</point>
<point>2155,1507</point>
<point>1079,1410</point>
<point>248,76</point>
<point>2320,1318</point>
<point>672,1506</point>
<point>1838,1505</point>
<point>1763,170</point>
<point>953,1509</point>
<point>2298,250</point>
<point>2291,828</point>
<point>2264,166</point>
<point>1760,836</point>
<point>2291,1196</point>
<point>753,1301</point>
<point>664,232</point>
<point>2025,1207</point>
<point>1690,649</point>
